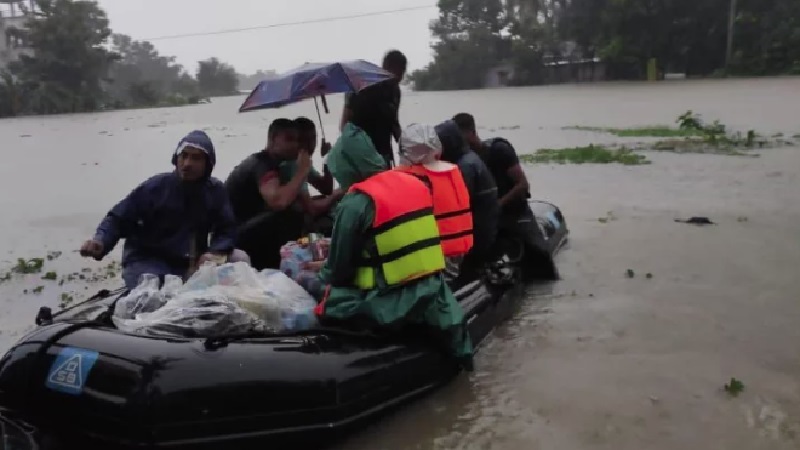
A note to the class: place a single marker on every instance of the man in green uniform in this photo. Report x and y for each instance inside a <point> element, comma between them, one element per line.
<point>389,296</point>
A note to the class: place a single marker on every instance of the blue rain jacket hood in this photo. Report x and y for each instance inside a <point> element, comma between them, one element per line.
<point>163,218</point>
<point>197,139</point>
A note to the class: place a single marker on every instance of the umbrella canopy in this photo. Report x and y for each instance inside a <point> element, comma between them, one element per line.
<point>313,79</point>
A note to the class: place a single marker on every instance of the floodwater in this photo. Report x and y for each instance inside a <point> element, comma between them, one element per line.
<point>594,361</point>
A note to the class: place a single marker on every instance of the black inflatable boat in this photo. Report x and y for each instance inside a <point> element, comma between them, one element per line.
<point>76,382</point>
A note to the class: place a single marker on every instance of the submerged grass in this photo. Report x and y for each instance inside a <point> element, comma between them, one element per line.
<point>25,267</point>
<point>658,131</point>
<point>695,146</point>
<point>591,154</point>
<point>693,135</point>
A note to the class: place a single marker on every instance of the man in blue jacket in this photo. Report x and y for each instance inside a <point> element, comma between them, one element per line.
<point>166,221</point>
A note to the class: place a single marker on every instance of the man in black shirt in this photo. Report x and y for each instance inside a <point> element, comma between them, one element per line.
<point>270,212</point>
<point>501,158</point>
<point>375,109</point>
<point>512,184</point>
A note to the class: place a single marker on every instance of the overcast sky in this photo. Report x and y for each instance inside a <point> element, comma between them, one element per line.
<point>279,48</point>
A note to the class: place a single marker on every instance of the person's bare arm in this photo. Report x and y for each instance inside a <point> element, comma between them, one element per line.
<point>280,197</point>
<point>319,206</point>
<point>324,183</point>
<point>521,185</point>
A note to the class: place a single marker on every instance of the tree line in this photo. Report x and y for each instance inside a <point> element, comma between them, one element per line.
<point>686,36</point>
<point>76,64</point>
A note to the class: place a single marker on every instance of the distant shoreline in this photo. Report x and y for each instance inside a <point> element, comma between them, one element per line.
<point>617,82</point>
<point>209,100</point>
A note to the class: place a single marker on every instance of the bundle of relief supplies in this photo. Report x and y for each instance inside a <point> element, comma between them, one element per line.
<point>302,259</point>
<point>231,298</point>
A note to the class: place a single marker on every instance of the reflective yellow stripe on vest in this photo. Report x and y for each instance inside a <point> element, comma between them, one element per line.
<point>408,248</point>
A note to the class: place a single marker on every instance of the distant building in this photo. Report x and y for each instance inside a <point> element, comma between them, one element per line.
<point>499,75</point>
<point>567,65</point>
<point>574,71</point>
<point>13,16</point>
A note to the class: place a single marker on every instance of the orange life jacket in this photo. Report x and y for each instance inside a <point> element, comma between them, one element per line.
<point>405,243</point>
<point>450,207</point>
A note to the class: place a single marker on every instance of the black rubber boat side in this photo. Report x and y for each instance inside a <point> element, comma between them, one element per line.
<point>77,382</point>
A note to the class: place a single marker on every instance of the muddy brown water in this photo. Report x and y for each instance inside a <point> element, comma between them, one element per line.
<point>594,361</point>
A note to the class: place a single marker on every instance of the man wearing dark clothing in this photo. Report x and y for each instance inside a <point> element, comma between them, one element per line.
<point>166,221</point>
<point>501,159</point>
<point>376,108</point>
<point>482,196</point>
<point>269,211</point>
<point>516,217</point>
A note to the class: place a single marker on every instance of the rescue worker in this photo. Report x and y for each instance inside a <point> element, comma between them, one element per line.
<point>482,195</point>
<point>420,150</point>
<point>166,220</point>
<point>385,261</point>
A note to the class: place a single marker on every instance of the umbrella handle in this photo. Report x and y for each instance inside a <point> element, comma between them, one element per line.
<point>325,104</point>
<point>319,116</point>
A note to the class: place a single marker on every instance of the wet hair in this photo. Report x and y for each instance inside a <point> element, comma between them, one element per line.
<point>304,125</point>
<point>281,125</point>
<point>395,59</point>
<point>465,122</point>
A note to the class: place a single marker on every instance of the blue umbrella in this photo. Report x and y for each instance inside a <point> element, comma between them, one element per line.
<point>312,80</point>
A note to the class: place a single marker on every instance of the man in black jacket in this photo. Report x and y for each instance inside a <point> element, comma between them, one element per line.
<point>513,190</point>
<point>482,195</point>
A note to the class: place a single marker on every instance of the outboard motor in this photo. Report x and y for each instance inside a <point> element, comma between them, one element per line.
<point>500,272</point>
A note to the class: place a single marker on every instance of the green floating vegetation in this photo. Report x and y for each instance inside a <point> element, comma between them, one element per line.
<point>53,255</point>
<point>591,154</point>
<point>50,276</point>
<point>695,146</point>
<point>66,300</point>
<point>693,135</point>
<point>658,131</point>
<point>734,387</point>
<point>26,266</point>
<point>111,270</point>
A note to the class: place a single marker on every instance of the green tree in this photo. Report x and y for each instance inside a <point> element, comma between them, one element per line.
<point>686,36</point>
<point>69,61</point>
<point>469,41</point>
<point>142,77</point>
<point>215,78</point>
<point>767,37</point>
<point>10,95</point>
<point>249,82</point>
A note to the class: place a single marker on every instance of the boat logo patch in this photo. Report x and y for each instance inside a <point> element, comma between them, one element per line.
<point>69,371</point>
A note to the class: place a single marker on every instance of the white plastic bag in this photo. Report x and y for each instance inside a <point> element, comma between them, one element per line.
<point>197,313</point>
<point>203,278</point>
<point>145,297</point>
<point>297,305</point>
<point>231,298</point>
